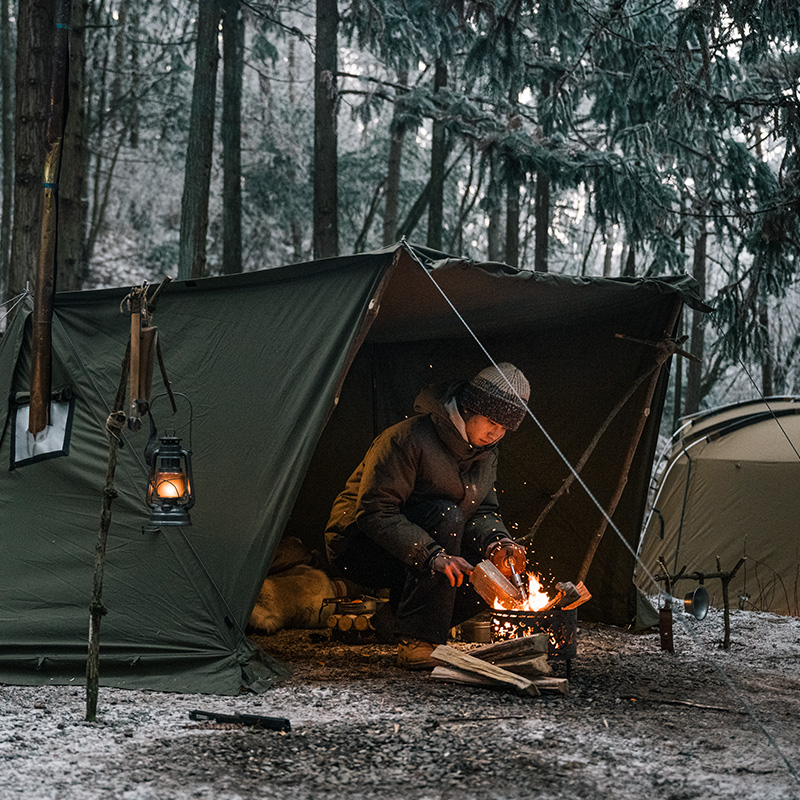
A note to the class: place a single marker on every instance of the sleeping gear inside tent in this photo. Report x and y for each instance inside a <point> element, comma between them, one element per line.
<point>729,488</point>
<point>291,372</point>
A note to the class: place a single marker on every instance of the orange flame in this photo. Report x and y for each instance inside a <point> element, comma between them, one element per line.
<point>537,597</point>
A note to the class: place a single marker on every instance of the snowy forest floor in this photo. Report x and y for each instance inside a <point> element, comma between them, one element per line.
<point>638,723</point>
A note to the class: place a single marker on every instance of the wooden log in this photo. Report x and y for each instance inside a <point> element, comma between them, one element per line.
<point>346,622</point>
<point>456,658</point>
<point>493,586</point>
<point>549,685</point>
<point>545,685</point>
<point>524,645</point>
<point>585,596</point>
<point>333,620</point>
<point>361,622</point>
<point>528,666</point>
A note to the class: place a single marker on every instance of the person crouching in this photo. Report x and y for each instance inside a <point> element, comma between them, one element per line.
<point>422,508</point>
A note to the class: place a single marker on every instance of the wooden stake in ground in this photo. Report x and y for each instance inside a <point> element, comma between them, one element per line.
<point>114,426</point>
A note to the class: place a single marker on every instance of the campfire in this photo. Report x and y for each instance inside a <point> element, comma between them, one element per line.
<point>516,615</point>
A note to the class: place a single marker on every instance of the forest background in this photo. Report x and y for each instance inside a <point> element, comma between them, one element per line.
<point>623,138</point>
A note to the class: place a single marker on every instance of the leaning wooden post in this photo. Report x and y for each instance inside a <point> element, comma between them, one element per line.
<point>114,424</point>
<point>44,286</point>
<point>665,349</point>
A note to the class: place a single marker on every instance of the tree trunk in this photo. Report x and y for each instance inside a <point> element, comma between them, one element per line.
<point>767,361</point>
<point>540,246</point>
<point>438,158</point>
<point>608,255</point>
<point>694,369</point>
<point>197,176</point>
<point>677,403</point>
<point>232,71</point>
<point>7,134</point>
<point>326,196</point>
<point>34,40</point>
<point>629,270</point>
<point>512,217</point>
<point>72,201</point>
<point>494,238</point>
<point>391,209</point>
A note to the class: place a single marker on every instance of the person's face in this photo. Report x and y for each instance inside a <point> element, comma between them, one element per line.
<point>481,431</point>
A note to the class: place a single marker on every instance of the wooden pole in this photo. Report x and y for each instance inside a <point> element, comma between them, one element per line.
<point>114,424</point>
<point>665,349</point>
<point>44,287</point>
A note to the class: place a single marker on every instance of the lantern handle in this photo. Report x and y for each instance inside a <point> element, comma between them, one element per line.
<point>153,432</point>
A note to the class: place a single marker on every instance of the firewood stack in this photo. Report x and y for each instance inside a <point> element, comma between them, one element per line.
<point>352,621</point>
<point>516,664</point>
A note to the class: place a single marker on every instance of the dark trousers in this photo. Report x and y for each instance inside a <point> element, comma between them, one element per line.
<point>424,604</point>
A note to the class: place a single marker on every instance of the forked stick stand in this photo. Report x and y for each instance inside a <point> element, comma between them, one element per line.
<point>724,577</point>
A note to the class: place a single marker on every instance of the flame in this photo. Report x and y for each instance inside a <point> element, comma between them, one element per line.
<point>537,596</point>
<point>536,600</point>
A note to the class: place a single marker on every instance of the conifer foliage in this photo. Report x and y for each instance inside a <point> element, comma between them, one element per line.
<point>590,137</point>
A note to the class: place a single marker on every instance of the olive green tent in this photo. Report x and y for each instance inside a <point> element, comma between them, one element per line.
<point>730,488</point>
<point>291,372</point>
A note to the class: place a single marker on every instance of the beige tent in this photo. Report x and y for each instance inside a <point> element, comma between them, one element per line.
<point>731,488</point>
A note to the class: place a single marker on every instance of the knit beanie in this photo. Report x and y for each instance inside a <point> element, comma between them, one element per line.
<point>490,395</point>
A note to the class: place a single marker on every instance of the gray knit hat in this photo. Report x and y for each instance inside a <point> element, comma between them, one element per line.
<point>490,394</point>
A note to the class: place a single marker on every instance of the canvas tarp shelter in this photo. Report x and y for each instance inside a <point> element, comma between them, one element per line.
<point>731,488</point>
<point>263,357</point>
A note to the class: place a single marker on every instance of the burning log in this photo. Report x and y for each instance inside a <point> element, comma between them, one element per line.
<point>569,596</point>
<point>496,676</point>
<point>494,587</point>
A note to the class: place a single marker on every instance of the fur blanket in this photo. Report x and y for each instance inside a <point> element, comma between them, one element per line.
<point>293,599</point>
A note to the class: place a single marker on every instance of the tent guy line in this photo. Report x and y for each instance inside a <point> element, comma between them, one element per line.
<point>540,426</point>
<point>661,593</point>
<point>15,300</point>
<point>726,335</point>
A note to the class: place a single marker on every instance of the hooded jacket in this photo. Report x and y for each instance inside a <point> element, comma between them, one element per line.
<point>419,459</point>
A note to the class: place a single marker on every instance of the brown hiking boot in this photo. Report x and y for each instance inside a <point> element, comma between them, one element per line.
<point>415,654</point>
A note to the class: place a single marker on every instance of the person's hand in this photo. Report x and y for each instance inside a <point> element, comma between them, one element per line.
<point>507,553</point>
<point>454,567</point>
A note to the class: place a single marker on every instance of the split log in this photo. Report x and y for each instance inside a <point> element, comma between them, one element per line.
<point>585,596</point>
<point>552,685</point>
<point>524,645</point>
<point>475,666</point>
<point>493,586</point>
<point>545,685</point>
<point>528,666</point>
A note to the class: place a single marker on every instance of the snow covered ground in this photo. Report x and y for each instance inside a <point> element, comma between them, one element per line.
<point>639,723</point>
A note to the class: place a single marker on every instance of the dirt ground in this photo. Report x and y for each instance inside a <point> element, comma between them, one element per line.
<point>638,723</point>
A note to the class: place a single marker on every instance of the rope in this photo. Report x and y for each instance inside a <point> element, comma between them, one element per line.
<point>659,591</point>
<point>16,301</point>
